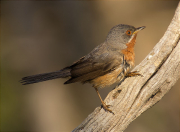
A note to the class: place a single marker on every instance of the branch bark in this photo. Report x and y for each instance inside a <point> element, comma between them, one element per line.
<point>160,70</point>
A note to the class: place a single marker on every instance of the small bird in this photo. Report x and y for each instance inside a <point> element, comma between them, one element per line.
<point>108,63</point>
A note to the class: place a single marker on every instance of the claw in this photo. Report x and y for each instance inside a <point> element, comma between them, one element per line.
<point>106,107</point>
<point>134,73</point>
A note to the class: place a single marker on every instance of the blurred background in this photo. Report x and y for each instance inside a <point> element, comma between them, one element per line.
<point>45,36</point>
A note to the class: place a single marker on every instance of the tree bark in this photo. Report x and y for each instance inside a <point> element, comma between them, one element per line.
<point>160,70</point>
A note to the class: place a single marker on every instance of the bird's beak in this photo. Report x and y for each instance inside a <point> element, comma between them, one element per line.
<point>139,29</point>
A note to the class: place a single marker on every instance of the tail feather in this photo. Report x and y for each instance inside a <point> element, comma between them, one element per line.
<point>46,76</point>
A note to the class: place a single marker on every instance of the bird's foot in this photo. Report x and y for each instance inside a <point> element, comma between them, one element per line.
<point>134,73</point>
<point>106,107</point>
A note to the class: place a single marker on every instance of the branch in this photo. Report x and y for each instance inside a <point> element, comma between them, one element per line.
<point>160,70</point>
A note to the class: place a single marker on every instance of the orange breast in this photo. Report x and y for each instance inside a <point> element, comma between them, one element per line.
<point>129,51</point>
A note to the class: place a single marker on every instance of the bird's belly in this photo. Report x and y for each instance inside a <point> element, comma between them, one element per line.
<point>108,79</point>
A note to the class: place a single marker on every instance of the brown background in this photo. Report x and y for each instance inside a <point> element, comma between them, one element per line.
<point>38,37</point>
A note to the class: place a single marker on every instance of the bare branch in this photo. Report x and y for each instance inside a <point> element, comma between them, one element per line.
<point>160,70</point>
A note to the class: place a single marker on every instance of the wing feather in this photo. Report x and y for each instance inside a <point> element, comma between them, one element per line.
<point>93,66</point>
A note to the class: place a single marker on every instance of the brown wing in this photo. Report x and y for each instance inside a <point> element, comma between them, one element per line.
<point>93,66</point>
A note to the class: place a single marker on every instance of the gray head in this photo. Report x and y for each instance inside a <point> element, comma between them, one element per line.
<point>121,34</point>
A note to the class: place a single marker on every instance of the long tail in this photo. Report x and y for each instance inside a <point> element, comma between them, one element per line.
<point>46,76</point>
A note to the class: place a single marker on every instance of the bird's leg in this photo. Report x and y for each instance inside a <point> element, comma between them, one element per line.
<point>132,74</point>
<point>106,107</point>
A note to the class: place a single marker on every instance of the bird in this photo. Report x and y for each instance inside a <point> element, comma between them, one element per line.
<point>107,64</point>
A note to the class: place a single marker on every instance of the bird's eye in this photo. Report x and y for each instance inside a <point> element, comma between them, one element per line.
<point>128,32</point>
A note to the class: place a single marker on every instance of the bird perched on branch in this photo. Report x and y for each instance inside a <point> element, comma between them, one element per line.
<point>108,63</point>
